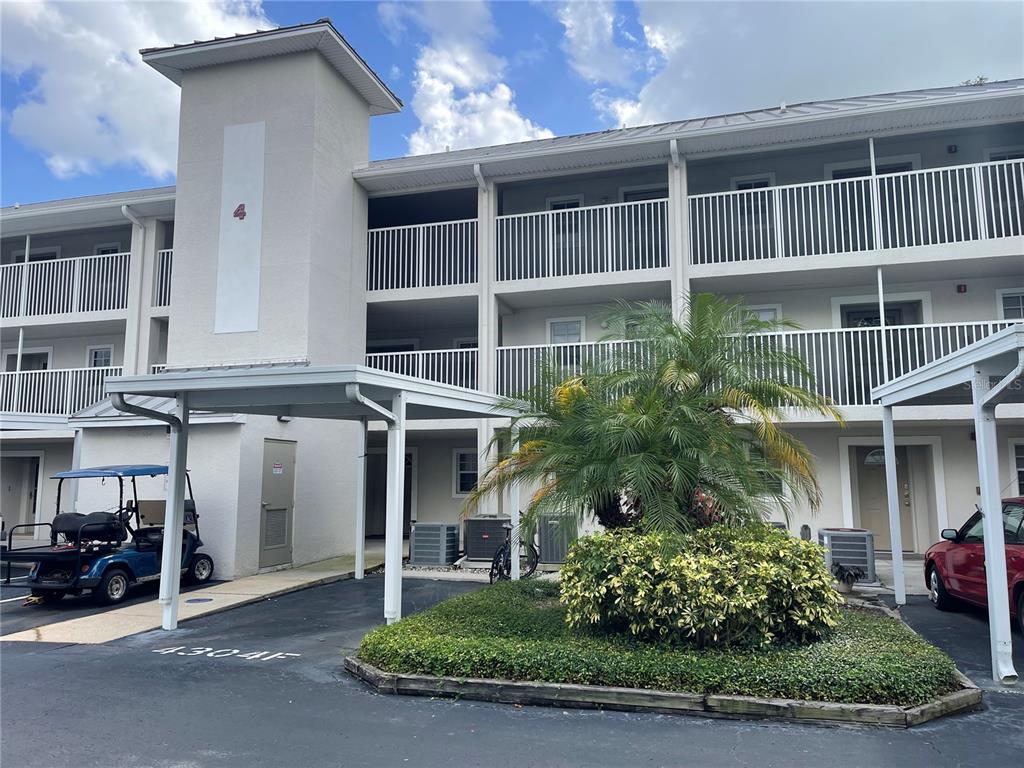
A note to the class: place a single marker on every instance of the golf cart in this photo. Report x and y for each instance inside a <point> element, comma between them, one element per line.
<point>107,552</point>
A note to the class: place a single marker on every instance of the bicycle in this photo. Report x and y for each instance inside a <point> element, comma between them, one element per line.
<point>501,564</point>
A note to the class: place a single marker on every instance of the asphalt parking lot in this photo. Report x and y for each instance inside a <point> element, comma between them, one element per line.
<point>16,616</point>
<point>263,685</point>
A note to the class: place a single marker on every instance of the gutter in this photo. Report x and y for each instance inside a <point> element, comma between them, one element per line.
<point>126,211</point>
<point>355,396</point>
<point>992,397</point>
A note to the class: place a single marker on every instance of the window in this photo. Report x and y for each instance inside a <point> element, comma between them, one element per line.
<point>465,342</point>
<point>565,330</point>
<point>974,531</point>
<point>100,357</point>
<point>1011,304</point>
<point>766,312</point>
<point>1004,153</point>
<point>31,360</point>
<point>564,202</point>
<point>1013,519</point>
<point>757,181</point>
<point>884,165</point>
<point>47,253</point>
<point>1018,458</point>
<point>464,466</point>
<point>636,194</point>
<point>104,249</point>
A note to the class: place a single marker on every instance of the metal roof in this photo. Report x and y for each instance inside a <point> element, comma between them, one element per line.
<point>319,36</point>
<point>808,121</point>
<point>115,470</point>
<point>87,211</point>
<point>324,392</point>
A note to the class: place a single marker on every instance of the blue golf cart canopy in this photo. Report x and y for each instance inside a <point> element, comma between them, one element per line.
<point>116,470</point>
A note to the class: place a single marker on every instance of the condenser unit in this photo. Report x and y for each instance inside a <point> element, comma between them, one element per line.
<point>434,544</point>
<point>483,536</point>
<point>853,547</point>
<point>555,535</point>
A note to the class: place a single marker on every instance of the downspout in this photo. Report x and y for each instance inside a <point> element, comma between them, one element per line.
<point>1005,382</point>
<point>481,182</point>
<point>355,396</point>
<point>126,211</point>
<point>673,149</point>
<point>117,399</point>
<point>136,317</point>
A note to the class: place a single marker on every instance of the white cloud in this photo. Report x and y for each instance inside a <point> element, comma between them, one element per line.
<point>589,42</point>
<point>460,98</point>
<point>93,104</point>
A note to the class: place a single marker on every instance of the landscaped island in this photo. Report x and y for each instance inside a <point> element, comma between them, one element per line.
<point>518,631</point>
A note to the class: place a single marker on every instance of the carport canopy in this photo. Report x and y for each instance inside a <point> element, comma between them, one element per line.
<point>984,375</point>
<point>344,392</point>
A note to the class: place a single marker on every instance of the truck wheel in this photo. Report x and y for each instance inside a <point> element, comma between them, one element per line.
<point>113,587</point>
<point>200,570</point>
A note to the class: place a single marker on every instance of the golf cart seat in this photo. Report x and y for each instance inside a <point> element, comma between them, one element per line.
<point>103,526</point>
<point>150,537</point>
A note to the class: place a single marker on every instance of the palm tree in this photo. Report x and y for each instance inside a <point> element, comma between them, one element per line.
<point>678,431</point>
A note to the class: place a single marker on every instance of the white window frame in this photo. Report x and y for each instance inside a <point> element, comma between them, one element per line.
<point>459,340</point>
<point>89,351</point>
<point>1000,292</point>
<point>925,297</point>
<point>549,201</point>
<point>776,307</point>
<point>1012,444</point>
<point>392,343</point>
<point>643,188</point>
<point>735,180</point>
<point>581,319</point>
<point>100,246</point>
<point>999,150</point>
<point>913,159</point>
<point>20,253</point>
<point>27,350</point>
<point>456,452</point>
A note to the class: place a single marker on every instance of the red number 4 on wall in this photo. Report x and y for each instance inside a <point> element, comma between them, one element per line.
<point>239,211</point>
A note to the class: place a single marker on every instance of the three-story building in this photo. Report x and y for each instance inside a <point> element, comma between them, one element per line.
<point>890,227</point>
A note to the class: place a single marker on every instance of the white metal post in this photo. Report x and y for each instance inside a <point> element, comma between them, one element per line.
<point>995,543</point>
<point>893,496</point>
<point>394,512</point>
<point>361,500</point>
<point>513,503</point>
<point>23,294</point>
<point>174,516</point>
<point>17,369</point>
<point>76,463</point>
<point>884,378</point>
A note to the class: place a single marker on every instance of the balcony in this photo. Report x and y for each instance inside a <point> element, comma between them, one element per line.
<point>456,367</point>
<point>583,241</point>
<point>64,286</point>
<point>847,362</point>
<point>421,255</point>
<point>162,278</point>
<point>916,208</point>
<point>58,392</point>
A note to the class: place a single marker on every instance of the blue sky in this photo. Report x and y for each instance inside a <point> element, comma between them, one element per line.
<point>82,115</point>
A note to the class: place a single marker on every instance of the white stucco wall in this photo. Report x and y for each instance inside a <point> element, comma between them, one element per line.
<point>213,462</point>
<point>56,457</point>
<point>68,351</point>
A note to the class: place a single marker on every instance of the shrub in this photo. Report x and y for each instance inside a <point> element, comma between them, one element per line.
<point>715,587</point>
<point>517,631</point>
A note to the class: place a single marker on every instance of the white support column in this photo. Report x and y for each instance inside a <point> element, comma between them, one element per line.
<point>174,516</point>
<point>995,543</point>
<point>884,378</point>
<point>361,500</point>
<point>679,232</point>
<point>394,512</point>
<point>513,503</point>
<point>893,496</point>
<point>76,463</point>
<point>17,364</point>
<point>876,207</point>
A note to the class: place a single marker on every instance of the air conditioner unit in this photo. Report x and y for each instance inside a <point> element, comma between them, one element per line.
<point>853,547</point>
<point>434,544</point>
<point>483,536</point>
<point>555,534</point>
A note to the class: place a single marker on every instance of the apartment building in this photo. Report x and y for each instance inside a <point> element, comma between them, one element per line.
<point>469,268</point>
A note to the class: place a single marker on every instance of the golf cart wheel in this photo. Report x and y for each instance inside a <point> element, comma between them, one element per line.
<point>113,587</point>
<point>200,570</point>
<point>47,596</point>
<point>937,593</point>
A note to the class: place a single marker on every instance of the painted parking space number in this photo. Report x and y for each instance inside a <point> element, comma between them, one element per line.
<point>224,653</point>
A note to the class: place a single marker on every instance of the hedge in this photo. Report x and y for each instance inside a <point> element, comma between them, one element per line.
<point>517,631</point>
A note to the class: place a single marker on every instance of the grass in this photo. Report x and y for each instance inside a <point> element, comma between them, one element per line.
<point>517,631</point>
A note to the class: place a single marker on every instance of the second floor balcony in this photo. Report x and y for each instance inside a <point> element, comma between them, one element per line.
<point>55,392</point>
<point>456,367</point>
<point>64,286</point>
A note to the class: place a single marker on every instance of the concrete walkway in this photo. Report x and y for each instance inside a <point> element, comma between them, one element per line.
<point>142,617</point>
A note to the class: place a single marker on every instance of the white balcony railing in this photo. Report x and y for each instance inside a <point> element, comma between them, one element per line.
<point>421,255</point>
<point>162,278</point>
<point>846,362</point>
<point>915,208</point>
<point>582,241</point>
<point>58,392</point>
<point>62,286</point>
<point>456,367</point>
